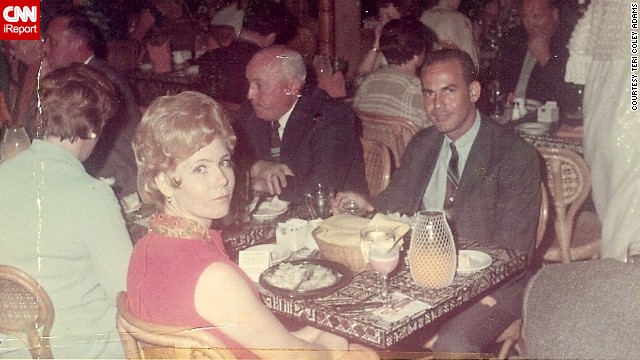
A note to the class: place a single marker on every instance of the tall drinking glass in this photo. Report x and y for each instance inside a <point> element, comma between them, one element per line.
<point>319,200</point>
<point>383,253</point>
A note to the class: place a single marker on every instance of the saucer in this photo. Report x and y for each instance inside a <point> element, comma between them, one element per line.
<point>478,260</point>
<point>534,128</point>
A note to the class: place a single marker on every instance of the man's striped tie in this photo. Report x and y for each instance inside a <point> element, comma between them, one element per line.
<point>453,180</point>
<point>275,141</point>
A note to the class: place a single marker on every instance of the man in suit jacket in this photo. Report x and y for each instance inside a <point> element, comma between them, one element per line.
<point>317,135</point>
<point>73,38</point>
<point>496,202</point>
<point>534,67</point>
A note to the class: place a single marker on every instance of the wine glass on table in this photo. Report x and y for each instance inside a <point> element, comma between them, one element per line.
<point>383,253</point>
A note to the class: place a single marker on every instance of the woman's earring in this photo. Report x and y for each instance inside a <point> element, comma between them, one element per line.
<point>92,135</point>
<point>169,199</point>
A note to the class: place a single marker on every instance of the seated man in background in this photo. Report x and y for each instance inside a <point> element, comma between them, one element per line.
<point>534,68</point>
<point>291,137</point>
<point>583,310</point>
<point>223,70</point>
<point>492,195</point>
<point>395,90</point>
<point>72,38</point>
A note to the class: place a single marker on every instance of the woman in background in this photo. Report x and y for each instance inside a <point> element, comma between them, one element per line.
<point>387,10</point>
<point>62,226</point>
<point>179,273</point>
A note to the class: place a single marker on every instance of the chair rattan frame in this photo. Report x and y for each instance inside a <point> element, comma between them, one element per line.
<point>26,311</point>
<point>377,165</point>
<point>144,340</point>
<point>395,132</point>
<point>569,183</point>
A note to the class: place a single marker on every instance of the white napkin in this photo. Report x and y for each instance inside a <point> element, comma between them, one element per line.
<point>269,206</point>
<point>295,234</point>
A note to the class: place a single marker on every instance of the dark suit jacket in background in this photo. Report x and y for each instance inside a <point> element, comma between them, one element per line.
<point>497,201</point>
<point>113,155</point>
<point>546,82</point>
<point>223,71</point>
<point>319,144</point>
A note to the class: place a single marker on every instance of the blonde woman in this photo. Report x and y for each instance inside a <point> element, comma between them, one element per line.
<point>179,273</point>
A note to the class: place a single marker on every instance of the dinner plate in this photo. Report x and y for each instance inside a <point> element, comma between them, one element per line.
<point>327,277</point>
<point>478,260</point>
<point>269,209</point>
<point>278,252</point>
<point>534,128</point>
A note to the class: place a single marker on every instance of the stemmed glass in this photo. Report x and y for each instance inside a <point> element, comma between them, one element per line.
<point>383,254</point>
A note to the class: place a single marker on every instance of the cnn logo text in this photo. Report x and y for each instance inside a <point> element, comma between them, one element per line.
<point>20,20</point>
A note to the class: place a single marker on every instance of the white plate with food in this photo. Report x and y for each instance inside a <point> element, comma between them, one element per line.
<point>472,260</point>
<point>269,209</point>
<point>305,278</point>
<point>534,128</point>
<point>277,252</point>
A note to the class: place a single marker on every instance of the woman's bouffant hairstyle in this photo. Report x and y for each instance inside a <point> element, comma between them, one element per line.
<point>76,102</point>
<point>171,130</point>
<point>404,38</point>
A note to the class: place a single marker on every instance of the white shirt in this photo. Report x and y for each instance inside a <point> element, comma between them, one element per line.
<point>525,73</point>
<point>433,197</point>
<point>284,119</point>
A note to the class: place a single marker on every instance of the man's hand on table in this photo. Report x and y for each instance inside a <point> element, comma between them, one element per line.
<point>268,176</point>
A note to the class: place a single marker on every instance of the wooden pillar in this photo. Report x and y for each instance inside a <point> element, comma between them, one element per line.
<point>326,22</point>
<point>347,33</point>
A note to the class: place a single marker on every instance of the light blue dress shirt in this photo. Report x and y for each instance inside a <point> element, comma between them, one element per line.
<point>433,198</point>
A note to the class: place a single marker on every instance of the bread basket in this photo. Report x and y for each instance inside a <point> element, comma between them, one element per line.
<point>348,255</point>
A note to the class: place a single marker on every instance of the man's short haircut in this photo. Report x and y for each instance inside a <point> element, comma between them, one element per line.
<point>80,25</point>
<point>291,63</point>
<point>76,102</point>
<point>469,70</point>
<point>405,7</point>
<point>404,38</point>
<point>267,16</point>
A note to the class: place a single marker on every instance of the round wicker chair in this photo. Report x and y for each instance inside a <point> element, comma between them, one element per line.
<point>144,340</point>
<point>26,311</point>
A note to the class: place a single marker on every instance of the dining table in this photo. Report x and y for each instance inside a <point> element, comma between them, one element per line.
<point>346,311</point>
<point>563,133</point>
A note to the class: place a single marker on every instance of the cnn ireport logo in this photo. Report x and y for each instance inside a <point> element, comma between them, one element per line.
<point>20,20</point>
